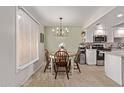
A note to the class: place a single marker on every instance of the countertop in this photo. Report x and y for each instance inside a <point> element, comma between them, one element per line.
<point>91,49</point>
<point>117,52</point>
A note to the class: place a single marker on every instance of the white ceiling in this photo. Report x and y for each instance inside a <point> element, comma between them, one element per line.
<point>72,15</point>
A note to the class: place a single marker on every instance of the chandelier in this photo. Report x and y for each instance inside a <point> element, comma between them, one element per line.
<point>60,31</point>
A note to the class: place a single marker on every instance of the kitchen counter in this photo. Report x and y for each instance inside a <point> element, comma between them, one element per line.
<point>116,52</point>
<point>114,66</point>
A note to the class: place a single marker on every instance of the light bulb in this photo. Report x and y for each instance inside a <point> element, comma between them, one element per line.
<point>66,28</point>
<point>53,30</point>
<point>67,31</point>
<point>57,28</point>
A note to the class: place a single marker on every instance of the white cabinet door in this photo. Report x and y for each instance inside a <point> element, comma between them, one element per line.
<point>118,32</point>
<point>113,67</point>
<point>91,56</point>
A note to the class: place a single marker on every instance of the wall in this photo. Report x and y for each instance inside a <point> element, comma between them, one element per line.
<point>8,75</point>
<point>71,42</point>
<point>41,45</point>
<point>41,51</point>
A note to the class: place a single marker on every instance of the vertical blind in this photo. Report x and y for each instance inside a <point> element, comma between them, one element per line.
<point>27,39</point>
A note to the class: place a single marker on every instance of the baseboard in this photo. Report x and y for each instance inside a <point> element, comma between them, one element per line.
<point>25,81</point>
<point>36,69</point>
<point>29,76</point>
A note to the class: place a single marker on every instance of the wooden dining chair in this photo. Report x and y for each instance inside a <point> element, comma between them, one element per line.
<point>47,59</point>
<point>77,60</point>
<point>61,60</point>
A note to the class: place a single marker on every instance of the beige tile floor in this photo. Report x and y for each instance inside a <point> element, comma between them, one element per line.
<point>91,76</point>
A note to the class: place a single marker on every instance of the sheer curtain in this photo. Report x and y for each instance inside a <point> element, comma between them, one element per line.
<point>27,39</point>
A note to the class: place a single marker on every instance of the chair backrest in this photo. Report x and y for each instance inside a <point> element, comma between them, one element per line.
<point>61,56</point>
<point>47,55</point>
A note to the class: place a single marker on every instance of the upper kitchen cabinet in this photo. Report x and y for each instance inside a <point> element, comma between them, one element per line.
<point>96,29</point>
<point>118,30</point>
<point>119,33</point>
<point>89,35</point>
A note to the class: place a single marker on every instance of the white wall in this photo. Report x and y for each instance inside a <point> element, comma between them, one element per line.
<point>71,42</point>
<point>113,67</point>
<point>41,51</point>
<point>8,75</point>
<point>41,45</point>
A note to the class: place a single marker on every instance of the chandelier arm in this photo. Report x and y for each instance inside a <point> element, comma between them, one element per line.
<point>60,30</point>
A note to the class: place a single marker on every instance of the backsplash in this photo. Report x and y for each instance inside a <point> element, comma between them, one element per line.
<point>111,45</point>
<point>119,40</point>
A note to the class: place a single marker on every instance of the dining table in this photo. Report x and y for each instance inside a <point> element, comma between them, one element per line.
<point>71,57</point>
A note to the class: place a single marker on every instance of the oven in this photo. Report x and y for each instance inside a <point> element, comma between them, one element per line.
<point>99,54</point>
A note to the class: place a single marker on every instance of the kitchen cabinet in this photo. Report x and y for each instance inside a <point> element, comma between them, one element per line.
<point>118,34</point>
<point>114,66</point>
<point>91,56</point>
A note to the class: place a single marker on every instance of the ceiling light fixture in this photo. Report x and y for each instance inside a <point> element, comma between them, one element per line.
<point>119,15</point>
<point>60,31</point>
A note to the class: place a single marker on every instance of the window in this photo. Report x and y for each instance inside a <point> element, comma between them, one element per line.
<point>26,40</point>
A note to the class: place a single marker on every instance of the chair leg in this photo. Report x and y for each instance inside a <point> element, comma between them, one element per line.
<point>78,67</point>
<point>69,67</point>
<point>56,73</point>
<point>55,67</point>
<point>67,72</point>
<point>46,67</point>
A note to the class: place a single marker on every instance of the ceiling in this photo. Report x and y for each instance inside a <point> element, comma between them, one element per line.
<point>72,15</point>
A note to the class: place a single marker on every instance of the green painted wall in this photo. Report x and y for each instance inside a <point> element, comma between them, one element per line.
<point>71,42</point>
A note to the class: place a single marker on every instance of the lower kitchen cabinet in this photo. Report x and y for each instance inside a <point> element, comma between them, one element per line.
<point>91,56</point>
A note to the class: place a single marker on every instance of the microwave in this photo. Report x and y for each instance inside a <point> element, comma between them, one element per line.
<point>100,39</point>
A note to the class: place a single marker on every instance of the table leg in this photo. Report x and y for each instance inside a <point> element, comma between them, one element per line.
<point>72,65</point>
<point>51,60</point>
